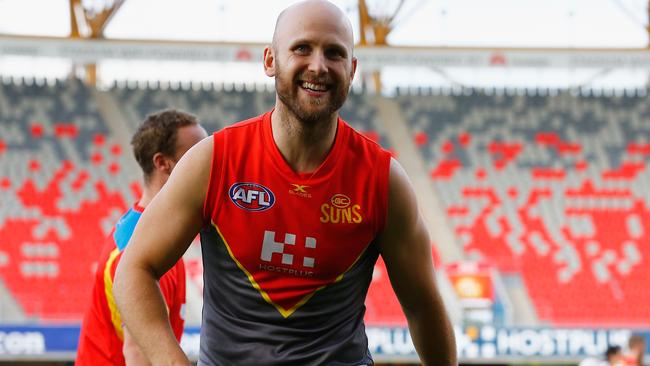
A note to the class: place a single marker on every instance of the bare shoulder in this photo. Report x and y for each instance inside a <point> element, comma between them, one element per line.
<point>192,173</point>
<point>403,224</point>
<point>198,156</point>
<point>402,204</point>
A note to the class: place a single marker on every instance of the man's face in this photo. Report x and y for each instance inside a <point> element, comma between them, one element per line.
<point>313,65</point>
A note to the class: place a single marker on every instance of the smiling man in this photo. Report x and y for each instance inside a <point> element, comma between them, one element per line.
<point>294,207</point>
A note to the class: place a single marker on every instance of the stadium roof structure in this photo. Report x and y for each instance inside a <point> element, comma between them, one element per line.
<point>552,43</point>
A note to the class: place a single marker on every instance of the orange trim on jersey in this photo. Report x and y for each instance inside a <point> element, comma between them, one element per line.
<point>116,319</point>
<point>284,312</point>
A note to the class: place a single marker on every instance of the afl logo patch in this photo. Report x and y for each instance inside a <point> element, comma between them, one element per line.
<point>251,196</point>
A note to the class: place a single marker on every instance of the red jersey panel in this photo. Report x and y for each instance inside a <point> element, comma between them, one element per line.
<point>297,245</point>
<point>101,337</point>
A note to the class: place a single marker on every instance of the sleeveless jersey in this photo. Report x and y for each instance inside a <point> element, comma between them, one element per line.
<point>288,256</point>
<point>101,337</point>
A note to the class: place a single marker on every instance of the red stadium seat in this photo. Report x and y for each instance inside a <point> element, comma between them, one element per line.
<point>421,138</point>
<point>34,165</point>
<point>116,149</point>
<point>5,183</point>
<point>37,130</point>
<point>65,130</point>
<point>97,158</point>
<point>99,139</point>
<point>446,169</point>
<point>114,168</point>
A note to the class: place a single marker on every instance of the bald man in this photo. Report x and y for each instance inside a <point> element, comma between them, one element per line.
<point>294,207</point>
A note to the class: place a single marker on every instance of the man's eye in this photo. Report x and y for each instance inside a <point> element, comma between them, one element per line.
<point>334,54</point>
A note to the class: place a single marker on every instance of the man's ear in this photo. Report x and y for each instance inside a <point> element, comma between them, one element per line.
<point>162,164</point>
<point>269,61</point>
<point>353,69</point>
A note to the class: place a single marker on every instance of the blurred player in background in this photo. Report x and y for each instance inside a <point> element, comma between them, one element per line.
<point>636,350</point>
<point>614,356</point>
<point>158,144</point>
<point>294,207</point>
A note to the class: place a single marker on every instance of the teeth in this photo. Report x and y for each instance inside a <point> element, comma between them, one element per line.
<point>315,87</point>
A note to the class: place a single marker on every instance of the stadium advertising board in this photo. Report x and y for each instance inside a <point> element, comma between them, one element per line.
<point>504,344</point>
<point>22,341</point>
<point>540,343</point>
<point>385,343</point>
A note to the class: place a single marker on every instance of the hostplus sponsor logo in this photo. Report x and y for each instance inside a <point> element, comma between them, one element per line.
<point>340,210</point>
<point>251,196</point>
<point>278,259</point>
<point>299,190</point>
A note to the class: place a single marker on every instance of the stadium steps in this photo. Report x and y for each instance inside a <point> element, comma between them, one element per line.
<point>121,131</point>
<point>10,310</point>
<point>448,293</point>
<point>392,121</point>
<point>524,313</point>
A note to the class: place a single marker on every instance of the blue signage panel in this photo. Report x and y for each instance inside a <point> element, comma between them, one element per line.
<point>484,342</point>
<point>494,342</point>
<point>38,340</point>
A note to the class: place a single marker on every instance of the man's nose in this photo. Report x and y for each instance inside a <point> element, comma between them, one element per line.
<point>317,63</point>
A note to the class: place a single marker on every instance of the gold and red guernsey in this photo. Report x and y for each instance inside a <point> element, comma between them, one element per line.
<point>291,250</point>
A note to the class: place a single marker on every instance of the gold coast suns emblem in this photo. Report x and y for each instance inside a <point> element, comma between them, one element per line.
<point>340,210</point>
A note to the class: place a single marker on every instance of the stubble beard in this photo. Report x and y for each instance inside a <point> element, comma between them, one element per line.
<point>287,91</point>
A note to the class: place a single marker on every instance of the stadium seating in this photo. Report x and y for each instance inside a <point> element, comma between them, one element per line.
<point>551,185</point>
<point>62,186</point>
<point>360,112</point>
<point>216,105</point>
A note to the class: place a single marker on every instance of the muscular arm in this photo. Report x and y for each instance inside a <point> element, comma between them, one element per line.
<point>405,248</point>
<point>163,233</point>
<point>133,356</point>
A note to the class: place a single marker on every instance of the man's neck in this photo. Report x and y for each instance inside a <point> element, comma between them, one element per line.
<point>151,188</point>
<point>303,146</point>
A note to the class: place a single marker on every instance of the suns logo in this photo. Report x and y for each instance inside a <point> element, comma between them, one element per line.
<point>251,196</point>
<point>340,210</point>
